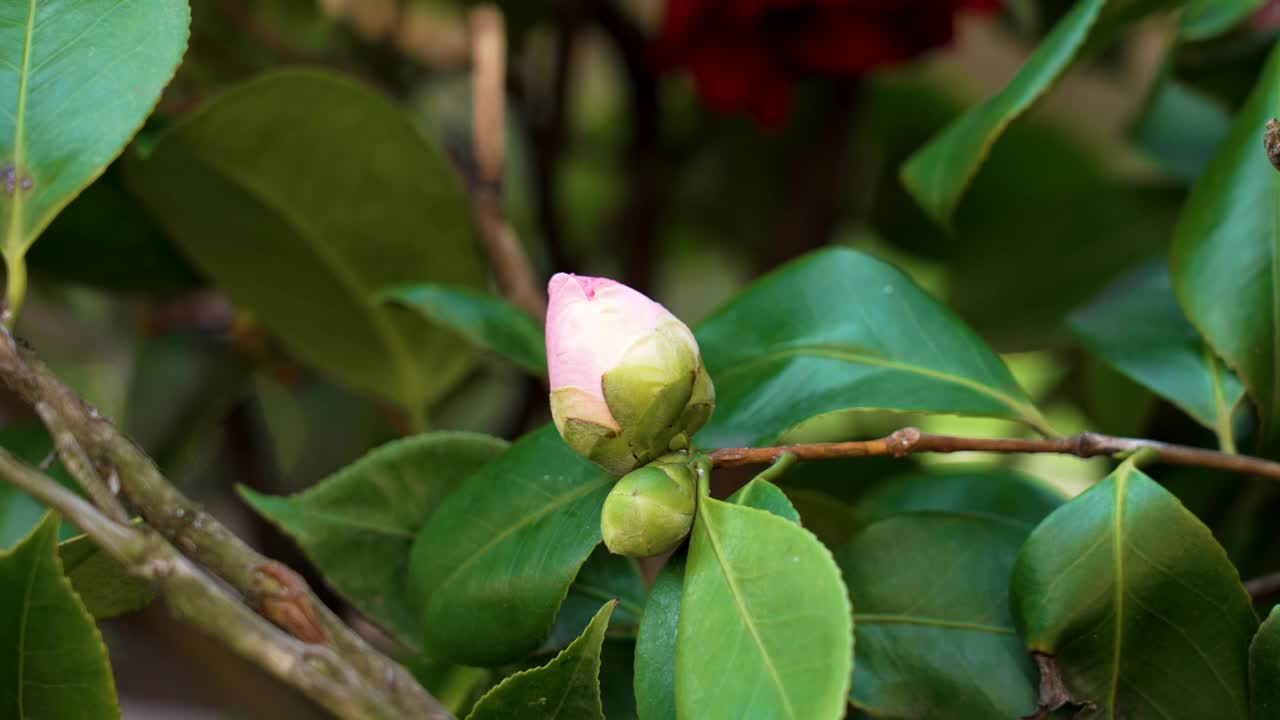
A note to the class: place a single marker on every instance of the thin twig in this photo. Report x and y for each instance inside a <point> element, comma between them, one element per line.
<point>510,263</point>
<point>277,592</point>
<point>1263,586</point>
<point>202,601</point>
<point>908,441</point>
<point>81,467</point>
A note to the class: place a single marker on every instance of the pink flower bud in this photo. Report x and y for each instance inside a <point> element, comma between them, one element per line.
<point>626,378</point>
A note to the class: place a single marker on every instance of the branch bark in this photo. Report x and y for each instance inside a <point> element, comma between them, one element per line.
<point>273,590</point>
<point>510,263</point>
<point>909,441</point>
<point>1263,586</point>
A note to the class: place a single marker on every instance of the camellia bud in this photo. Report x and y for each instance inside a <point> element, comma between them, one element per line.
<point>627,382</point>
<point>650,510</point>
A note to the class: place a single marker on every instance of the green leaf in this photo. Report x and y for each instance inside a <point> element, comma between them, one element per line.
<point>761,596</point>
<point>1264,668</point>
<point>1137,603</point>
<point>934,633</point>
<point>52,660</point>
<point>486,320</point>
<point>617,679</point>
<point>832,520</point>
<point>492,566</point>
<point>980,490</point>
<point>604,576</point>
<point>1225,258</point>
<point>1137,327</point>
<point>938,174</point>
<point>567,687</point>
<point>1181,128</point>
<point>104,586</point>
<point>302,194</point>
<point>374,509</point>
<point>838,330</point>
<point>1205,18</point>
<point>655,679</point>
<point>764,495</point>
<point>81,75</point>
<point>106,240</point>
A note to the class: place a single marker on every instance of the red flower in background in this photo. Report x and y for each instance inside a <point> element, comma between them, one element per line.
<point>745,55</point>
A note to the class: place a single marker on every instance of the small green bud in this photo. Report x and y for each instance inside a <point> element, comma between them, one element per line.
<point>650,510</point>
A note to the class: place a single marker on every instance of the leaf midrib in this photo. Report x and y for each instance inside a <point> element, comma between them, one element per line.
<point>24,620</point>
<point>704,517</point>
<point>893,619</point>
<point>525,521</point>
<point>346,279</point>
<point>1025,411</point>
<point>13,236</point>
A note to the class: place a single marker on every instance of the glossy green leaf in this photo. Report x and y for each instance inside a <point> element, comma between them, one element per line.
<point>302,194</point>
<point>938,174</point>
<point>1205,18</point>
<point>1137,327</point>
<point>837,330</point>
<point>103,585</point>
<point>764,597</point>
<point>604,576</point>
<point>78,77</point>
<point>934,634</point>
<point>567,688</point>
<point>655,679</point>
<point>492,566</point>
<point>485,319</point>
<point>981,490</point>
<point>375,508</point>
<point>1264,668</point>
<point>764,495</point>
<point>1139,606</point>
<point>49,645</point>
<point>1226,253</point>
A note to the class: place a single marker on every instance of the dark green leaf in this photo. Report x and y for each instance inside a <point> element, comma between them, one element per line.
<point>934,634</point>
<point>82,76</point>
<point>656,644</point>
<point>494,562</point>
<point>105,239</point>
<point>103,585</point>
<point>1138,328</point>
<point>837,330</point>
<point>764,495</point>
<point>1264,668</point>
<point>981,490</point>
<point>832,520</point>
<point>302,194</point>
<point>761,596</point>
<point>938,173</point>
<point>1225,253</point>
<point>1181,128</point>
<point>1205,18</point>
<point>604,576</point>
<point>374,508</point>
<point>568,687</point>
<point>617,679</point>
<point>52,660</point>
<point>486,320</point>
<point>1139,606</point>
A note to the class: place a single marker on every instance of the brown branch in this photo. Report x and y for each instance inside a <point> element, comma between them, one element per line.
<point>1263,586</point>
<point>205,541</point>
<point>510,263</point>
<point>909,441</point>
<point>202,601</point>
